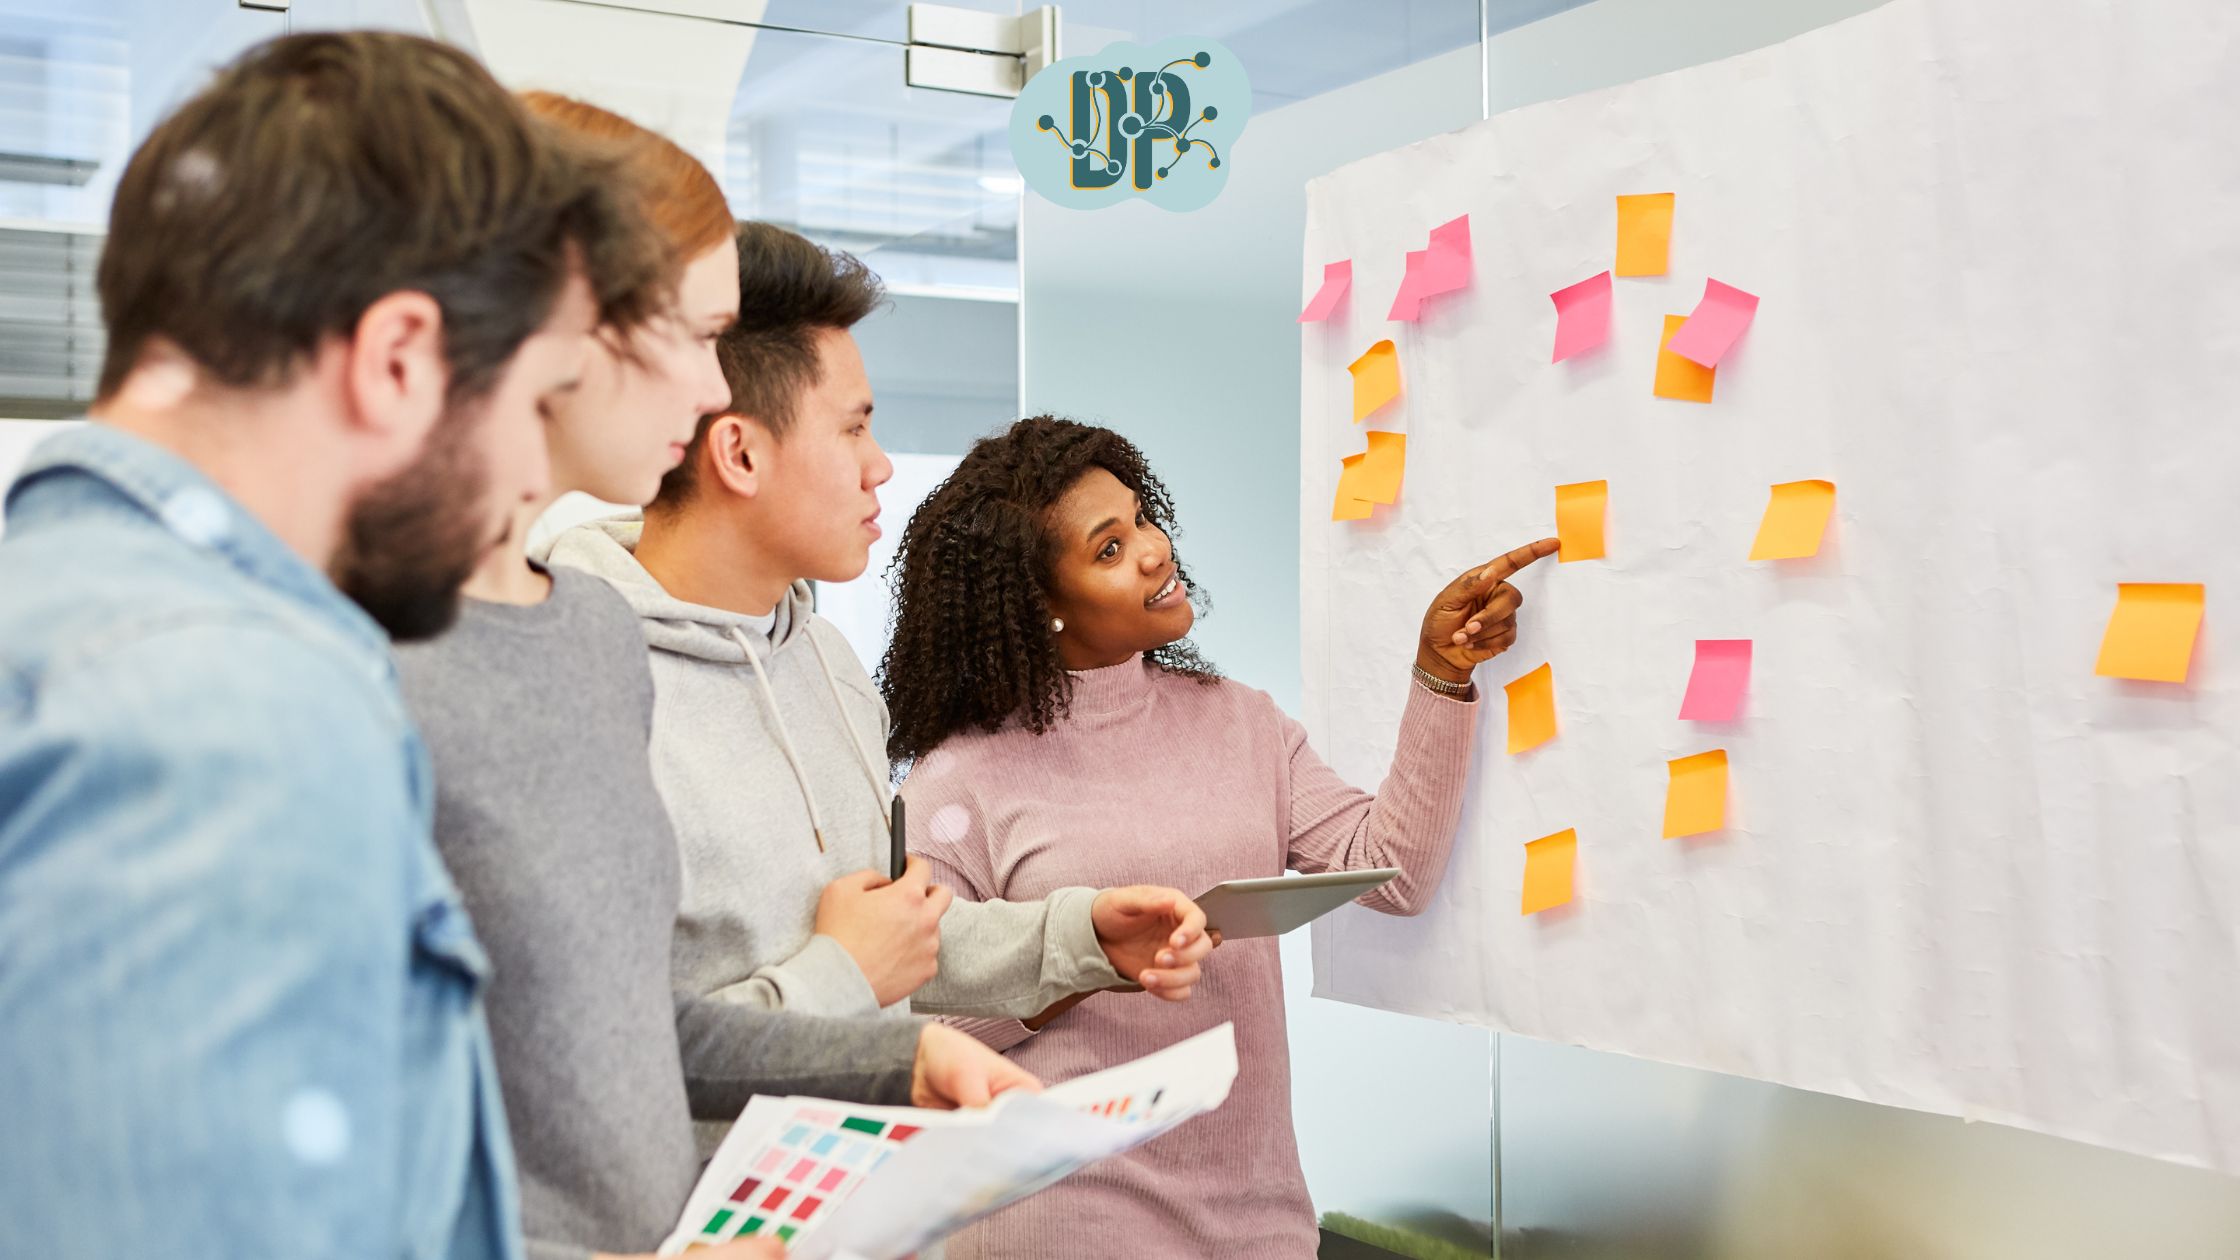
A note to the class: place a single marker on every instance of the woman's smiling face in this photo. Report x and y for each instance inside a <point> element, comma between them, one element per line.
<point>1114,581</point>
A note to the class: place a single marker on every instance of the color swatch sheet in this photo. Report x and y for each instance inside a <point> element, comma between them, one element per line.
<point>842,1181</point>
<point>1963,484</point>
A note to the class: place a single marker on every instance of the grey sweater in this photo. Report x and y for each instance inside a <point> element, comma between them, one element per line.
<point>547,816</point>
<point>769,749</point>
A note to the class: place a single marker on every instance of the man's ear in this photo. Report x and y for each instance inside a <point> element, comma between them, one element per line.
<point>737,454</point>
<point>396,375</point>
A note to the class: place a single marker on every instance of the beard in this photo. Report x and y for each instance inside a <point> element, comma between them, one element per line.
<point>413,540</point>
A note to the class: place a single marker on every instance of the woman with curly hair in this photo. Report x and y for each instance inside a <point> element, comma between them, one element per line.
<point>1061,729</point>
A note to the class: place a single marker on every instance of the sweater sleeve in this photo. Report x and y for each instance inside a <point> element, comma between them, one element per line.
<point>1410,822</point>
<point>732,1052</point>
<point>820,979</point>
<point>1015,958</point>
<point>1051,951</point>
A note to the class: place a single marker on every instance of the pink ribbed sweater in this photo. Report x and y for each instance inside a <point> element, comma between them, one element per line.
<point>1159,779</point>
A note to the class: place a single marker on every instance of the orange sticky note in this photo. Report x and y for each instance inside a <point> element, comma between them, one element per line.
<point>1579,511</point>
<point>1644,234</point>
<point>1678,377</point>
<point>1350,505</point>
<point>1383,463</point>
<point>1548,864</point>
<point>1376,379</point>
<point>1372,477</point>
<point>2150,634</point>
<point>1795,519</point>
<point>1532,710</point>
<point>1696,800</point>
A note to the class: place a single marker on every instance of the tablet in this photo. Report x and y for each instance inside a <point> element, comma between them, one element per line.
<point>1270,907</point>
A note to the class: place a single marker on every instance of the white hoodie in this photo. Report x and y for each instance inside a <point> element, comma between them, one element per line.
<point>767,737</point>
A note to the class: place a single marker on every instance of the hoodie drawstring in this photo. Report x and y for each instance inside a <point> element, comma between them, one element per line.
<point>879,789</point>
<point>785,740</point>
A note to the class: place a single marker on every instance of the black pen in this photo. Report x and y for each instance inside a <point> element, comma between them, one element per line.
<point>898,852</point>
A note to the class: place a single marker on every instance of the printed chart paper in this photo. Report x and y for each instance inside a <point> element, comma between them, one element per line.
<point>1981,841</point>
<point>842,1180</point>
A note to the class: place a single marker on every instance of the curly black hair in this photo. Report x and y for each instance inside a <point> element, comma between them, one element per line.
<point>972,645</point>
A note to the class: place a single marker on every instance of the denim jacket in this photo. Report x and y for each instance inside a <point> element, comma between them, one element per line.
<point>240,1005</point>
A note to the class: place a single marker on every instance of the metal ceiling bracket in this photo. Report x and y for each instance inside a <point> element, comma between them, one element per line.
<point>984,54</point>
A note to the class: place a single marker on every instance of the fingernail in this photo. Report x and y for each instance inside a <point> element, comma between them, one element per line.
<point>1166,960</point>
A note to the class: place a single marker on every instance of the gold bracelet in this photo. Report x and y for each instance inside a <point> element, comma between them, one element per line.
<point>1439,686</point>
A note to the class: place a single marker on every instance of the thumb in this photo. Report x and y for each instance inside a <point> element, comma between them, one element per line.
<point>969,1086</point>
<point>917,872</point>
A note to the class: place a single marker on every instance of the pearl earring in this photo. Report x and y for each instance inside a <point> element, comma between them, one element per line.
<point>1057,625</point>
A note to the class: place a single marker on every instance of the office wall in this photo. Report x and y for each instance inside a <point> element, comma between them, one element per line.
<point>1178,330</point>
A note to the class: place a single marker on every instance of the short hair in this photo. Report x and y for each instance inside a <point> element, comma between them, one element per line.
<point>319,173</point>
<point>790,289</point>
<point>679,196</point>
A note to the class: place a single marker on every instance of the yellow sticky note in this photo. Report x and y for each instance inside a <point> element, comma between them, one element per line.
<point>1349,504</point>
<point>1677,375</point>
<point>1385,460</point>
<point>1795,519</point>
<point>1579,511</point>
<point>1376,379</point>
<point>2150,634</point>
<point>1372,477</point>
<point>1532,710</point>
<point>1548,864</point>
<point>1644,234</point>
<point>1696,800</point>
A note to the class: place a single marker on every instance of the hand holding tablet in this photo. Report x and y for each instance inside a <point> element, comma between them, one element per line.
<point>1241,908</point>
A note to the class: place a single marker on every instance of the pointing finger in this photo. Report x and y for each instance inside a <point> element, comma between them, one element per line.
<point>1502,568</point>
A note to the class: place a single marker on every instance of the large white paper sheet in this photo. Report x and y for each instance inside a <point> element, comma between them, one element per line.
<point>1997,247</point>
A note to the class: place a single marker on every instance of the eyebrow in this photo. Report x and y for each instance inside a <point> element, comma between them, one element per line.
<point>1108,523</point>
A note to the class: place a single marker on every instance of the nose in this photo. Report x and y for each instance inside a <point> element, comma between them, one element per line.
<point>1157,556</point>
<point>714,391</point>
<point>880,470</point>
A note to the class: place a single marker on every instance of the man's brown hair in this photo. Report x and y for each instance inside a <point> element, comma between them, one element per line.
<point>320,172</point>
<point>790,289</point>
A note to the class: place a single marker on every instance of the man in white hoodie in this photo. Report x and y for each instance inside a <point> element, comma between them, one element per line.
<point>767,731</point>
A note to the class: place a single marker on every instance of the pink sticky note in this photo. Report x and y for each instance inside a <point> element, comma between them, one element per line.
<point>1582,316</point>
<point>1408,302</point>
<point>1718,321</point>
<point>1448,267</point>
<point>1721,675</point>
<point>1441,268</point>
<point>1337,278</point>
